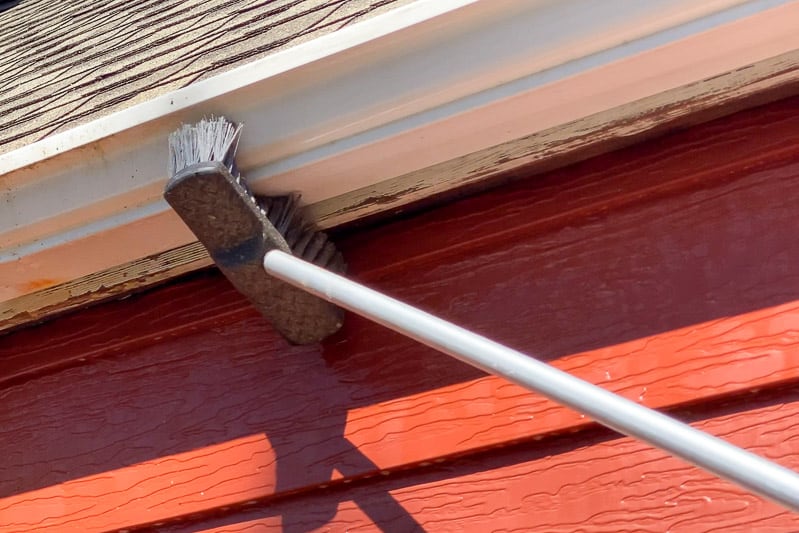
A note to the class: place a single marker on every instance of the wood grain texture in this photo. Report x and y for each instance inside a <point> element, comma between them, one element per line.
<point>112,283</point>
<point>596,484</point>
<point>187,450</point>
<point>664,271</point>
<point>121,327</point>
<point>590,136</point>
<point>87,60</point>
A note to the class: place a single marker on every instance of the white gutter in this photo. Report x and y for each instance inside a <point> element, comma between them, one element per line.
<point>420,85</point>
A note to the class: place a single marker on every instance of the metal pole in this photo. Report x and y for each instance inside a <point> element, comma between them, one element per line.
<point>715,455</point>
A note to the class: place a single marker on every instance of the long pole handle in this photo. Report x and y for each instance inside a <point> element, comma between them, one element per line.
<point>715,455</point>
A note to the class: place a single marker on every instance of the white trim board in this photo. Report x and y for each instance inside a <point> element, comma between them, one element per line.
<point>359,111</point>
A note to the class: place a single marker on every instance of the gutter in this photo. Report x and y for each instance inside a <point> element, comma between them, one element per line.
<point>394,109</point>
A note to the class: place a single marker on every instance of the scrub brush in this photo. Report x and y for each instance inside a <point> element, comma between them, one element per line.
<point>238,229</point>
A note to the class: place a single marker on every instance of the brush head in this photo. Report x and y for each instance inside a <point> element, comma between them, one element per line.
<point>238,229</point>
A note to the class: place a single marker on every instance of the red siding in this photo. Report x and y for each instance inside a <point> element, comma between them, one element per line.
<point>593,483</point>
<point>666,272</point>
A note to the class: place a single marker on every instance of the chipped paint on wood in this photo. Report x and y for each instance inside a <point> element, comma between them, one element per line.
<point>574,141</point>
<point>552,148</point>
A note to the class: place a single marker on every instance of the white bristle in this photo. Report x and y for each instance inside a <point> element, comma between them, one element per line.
<point>211,139</point>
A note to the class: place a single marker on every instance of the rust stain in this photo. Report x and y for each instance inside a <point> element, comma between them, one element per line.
<point>38,284</point>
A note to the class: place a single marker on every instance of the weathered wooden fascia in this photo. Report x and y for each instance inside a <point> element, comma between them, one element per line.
<point>428,97</point>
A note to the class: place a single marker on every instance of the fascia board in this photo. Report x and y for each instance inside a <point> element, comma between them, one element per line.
<point>414,88</point>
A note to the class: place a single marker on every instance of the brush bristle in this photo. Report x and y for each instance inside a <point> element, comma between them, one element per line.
<point>305,241</point>
<point>211,139</point>
<point>216,139</point>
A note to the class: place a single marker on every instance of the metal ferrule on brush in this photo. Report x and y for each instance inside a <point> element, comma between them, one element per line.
<point>237,232</point>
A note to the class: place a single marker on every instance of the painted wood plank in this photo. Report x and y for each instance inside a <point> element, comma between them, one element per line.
<point>202,302</point>
<point>656,288</point>
<point>596,484</point>
<point>591,135</point>
<point>324,437</point>
<point>703,156</point>
<point>304,449</point>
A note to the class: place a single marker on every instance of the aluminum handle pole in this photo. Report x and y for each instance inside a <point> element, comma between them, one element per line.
<point>715,455</point>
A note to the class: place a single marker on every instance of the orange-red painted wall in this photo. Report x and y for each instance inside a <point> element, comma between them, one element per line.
<point>666,272</point>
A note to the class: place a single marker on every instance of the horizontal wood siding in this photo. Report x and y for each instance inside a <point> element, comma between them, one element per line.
<point>665,272</point>
<point>593,482</point>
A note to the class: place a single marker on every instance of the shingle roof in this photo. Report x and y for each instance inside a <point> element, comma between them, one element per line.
<point>66,62</point>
